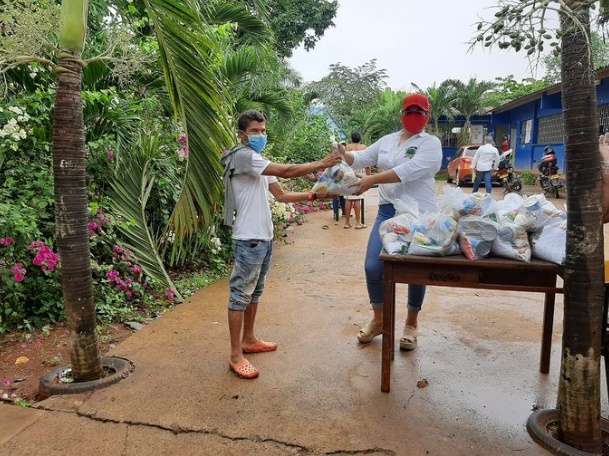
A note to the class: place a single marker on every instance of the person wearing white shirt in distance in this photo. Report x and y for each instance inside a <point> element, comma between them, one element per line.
<point>485,160</point>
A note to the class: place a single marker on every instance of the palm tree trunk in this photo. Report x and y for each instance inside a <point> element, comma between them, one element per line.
<point>579,383</point>
<point>71,220</point>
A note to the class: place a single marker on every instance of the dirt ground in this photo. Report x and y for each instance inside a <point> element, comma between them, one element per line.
<point>26,357</point>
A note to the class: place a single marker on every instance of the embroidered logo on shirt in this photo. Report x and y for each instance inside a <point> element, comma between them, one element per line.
<point>410,152</point>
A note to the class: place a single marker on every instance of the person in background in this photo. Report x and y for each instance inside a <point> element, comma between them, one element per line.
<point>248,178</point>
<point>505,145</point>
<point>408,161</point>
<point>353,201</point>
<point>485,160</point>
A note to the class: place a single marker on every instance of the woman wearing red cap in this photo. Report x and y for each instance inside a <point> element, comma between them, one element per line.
<point>408,160</point>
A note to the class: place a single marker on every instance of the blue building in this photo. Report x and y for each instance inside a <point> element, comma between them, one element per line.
<point>535,121</point>
<point>531,123</point>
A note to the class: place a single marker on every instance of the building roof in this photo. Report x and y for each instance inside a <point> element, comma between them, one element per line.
<point>551,90</point>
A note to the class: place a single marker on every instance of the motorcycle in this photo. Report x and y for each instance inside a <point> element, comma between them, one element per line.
<point>510,180</point>
<point>549,179</point>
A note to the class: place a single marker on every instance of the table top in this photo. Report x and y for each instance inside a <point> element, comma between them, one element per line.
<point>490,262</point>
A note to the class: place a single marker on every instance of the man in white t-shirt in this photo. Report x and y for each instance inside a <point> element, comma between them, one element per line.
<point>485,160</point>
<point>248,178</point>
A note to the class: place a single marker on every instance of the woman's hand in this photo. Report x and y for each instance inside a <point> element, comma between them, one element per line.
<point>364,184</point>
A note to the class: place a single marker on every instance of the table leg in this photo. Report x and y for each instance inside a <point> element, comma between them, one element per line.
<point>546,338</point>
<point>388,328</point>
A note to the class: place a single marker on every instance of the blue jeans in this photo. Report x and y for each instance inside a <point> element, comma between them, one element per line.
<point>246,283</point>
<point>338,202</point>
<point>486,175</point>
<point>374,266</point>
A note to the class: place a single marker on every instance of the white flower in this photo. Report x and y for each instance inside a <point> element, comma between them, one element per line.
<point>15,109</point>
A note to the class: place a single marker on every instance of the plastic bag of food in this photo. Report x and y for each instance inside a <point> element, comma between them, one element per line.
<point>396,233</point>
<point>512,241</point>
<point>336,180</point>
<point>551,243</point>
<point>476,235</point>
<point>434,235</point>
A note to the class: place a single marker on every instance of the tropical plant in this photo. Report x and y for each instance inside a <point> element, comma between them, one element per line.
<point>579,395</point>
<point>471,99</point>
<point>296,22</point>
<point>345,90</point>
<point>508,89</point>
<point>380,117</point>
<point>442,99</point>
<point>132,184</point>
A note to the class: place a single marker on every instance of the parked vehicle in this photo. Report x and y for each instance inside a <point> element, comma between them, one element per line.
<point>509,178</point>
<point>460,166</point>
<point>549,179</point>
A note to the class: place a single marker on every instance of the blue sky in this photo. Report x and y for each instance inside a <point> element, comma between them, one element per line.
<point>415,41</point>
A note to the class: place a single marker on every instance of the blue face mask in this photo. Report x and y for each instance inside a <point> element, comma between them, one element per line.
<point>257,142</point>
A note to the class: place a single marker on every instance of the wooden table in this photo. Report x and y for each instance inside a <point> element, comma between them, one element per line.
<point>457,271</point>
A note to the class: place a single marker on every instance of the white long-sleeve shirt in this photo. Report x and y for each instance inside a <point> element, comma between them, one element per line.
<point>486,158</point>
<point>416,163</point>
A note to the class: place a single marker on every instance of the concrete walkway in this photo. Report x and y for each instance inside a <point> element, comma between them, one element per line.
<point>320,392</point>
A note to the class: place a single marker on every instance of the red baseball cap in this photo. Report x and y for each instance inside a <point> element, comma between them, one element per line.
<point>416,99</point>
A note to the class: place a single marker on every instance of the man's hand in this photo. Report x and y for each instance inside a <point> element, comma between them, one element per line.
<point>333,158</point>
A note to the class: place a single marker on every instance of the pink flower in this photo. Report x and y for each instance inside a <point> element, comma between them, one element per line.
<point>110,154</point>
<point>129,294</point>
<point>45,258</point>
<point>182,139</point>
<point>36,245</point>
<point>6,383</point>
<point>170,294</point>
<point>136,269</point>
<point>112,275</point>
<point>118,249</point>
<point>19,272</point>
<point>6,241</point>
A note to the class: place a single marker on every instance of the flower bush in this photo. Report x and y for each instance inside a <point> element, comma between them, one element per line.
<point>120,287</point>
<point>30,291</point>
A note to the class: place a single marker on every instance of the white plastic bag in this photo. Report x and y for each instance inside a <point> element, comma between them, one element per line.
<point>512,241</point>
<point>551,243</point>
<point>434,235</point>
<point>336,180</point>
<point>396,233</point>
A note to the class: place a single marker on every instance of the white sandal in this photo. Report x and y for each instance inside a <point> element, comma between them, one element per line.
<point>409,338</point>
<point>369,332</point>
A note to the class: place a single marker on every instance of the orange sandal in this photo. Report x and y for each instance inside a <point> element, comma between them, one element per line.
<point>244,369</point>
<point>259,347</point>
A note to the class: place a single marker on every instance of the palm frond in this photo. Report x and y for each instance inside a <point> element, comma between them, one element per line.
<point>249,27</point>
<point>191,55</point>
<point>131,187</point>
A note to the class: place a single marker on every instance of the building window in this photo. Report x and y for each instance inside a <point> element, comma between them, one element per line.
<point>526,131</point>
<point>450,133</point>
<point>603,118</point>
<point>550,129</point>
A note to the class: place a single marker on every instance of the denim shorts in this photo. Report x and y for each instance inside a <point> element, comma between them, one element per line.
<point>252,262</point>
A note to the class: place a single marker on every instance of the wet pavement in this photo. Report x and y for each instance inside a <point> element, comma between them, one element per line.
<point>467,389</point>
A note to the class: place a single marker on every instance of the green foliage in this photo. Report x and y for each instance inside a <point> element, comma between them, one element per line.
<point>528,177</point>
<point>308,141</point>
<point>381,117</point>
<point>297,21</point>
<point>121,288</point>
<point>600,58</point>
<point>508,89</point>
<point>131,189</point>
<point>348,90</point>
